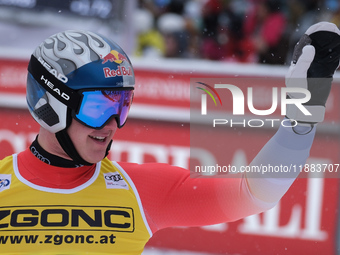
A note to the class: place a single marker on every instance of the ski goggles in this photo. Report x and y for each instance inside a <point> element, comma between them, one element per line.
<point>98,107</point>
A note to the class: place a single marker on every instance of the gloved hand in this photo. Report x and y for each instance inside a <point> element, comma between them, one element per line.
<point>315,59</point>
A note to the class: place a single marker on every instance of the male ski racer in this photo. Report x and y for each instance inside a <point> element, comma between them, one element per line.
<point>63,196</point>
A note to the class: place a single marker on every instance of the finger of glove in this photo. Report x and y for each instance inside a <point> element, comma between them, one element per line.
<point>299,70</point>
<point>297,73</point>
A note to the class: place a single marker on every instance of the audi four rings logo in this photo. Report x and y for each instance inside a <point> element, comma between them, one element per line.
<point>114,180</point>
<point>114,177</point>
<point>39,156</point>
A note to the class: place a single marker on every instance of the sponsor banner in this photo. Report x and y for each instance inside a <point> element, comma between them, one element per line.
<point>41,228</point>
<point>170,86</point>
<point>64,217</point>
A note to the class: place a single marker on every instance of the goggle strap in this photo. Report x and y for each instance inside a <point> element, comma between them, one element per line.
<point>52,84</point>
<point>68,146</point>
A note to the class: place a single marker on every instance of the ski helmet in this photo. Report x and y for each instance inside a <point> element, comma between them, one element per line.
<point>79,75</point>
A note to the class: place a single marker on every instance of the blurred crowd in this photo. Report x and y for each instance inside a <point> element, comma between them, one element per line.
<point>248,31</point>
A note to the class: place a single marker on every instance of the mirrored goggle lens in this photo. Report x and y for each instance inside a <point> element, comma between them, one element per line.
<point>99,106</point>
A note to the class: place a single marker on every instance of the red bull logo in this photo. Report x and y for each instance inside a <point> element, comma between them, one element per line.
<point>120,71</point>
<point>114,56</point>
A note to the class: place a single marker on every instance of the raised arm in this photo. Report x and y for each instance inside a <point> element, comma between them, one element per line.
<point>171,198</point>
<point>315,59</point>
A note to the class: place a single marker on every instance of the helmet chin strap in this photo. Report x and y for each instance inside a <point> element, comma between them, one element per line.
<point>68,146</point>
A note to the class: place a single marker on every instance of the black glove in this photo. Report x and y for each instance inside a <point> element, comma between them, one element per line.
<point>315,59</point>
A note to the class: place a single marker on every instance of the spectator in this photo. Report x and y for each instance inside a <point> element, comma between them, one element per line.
<point>150,42</point>
<point>172,26</point>
<point>211,47</point>
<point>175,29</point>
<point>302,15</point>
<point>231,34</point>
<point>265,30</point>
